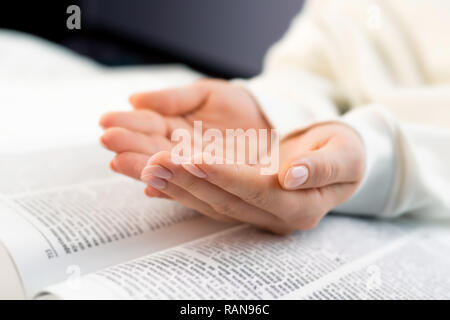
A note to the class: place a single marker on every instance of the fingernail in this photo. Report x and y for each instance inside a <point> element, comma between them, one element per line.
<point>111,165</point>
<point>156,171</point>
<point>156,183</point>
<point>295,177</point>
<point>193,169</point>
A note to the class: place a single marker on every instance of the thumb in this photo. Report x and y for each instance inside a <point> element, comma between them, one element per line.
<point>319,168</point>
<point>171,102</point>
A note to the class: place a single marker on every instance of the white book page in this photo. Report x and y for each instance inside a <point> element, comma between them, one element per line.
<point>69,215</point>
<point>11,287</point>
<point>413,267</point>
<point>51,97</point>
<point>244,263</point>
<point>56,193</point>
<point>44,112</point>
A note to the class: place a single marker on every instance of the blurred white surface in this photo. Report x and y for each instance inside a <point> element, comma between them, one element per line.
<point>51,97</point>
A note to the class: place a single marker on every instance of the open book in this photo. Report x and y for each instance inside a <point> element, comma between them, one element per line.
<point>100,237</point>
<point>70,228</point>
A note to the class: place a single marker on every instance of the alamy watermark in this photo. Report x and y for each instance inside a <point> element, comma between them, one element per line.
<point>74,19</point>
<point>374,17</point>
<point>256,147</point>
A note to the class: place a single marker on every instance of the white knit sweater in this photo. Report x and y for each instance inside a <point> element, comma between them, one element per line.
<point>383,67</point>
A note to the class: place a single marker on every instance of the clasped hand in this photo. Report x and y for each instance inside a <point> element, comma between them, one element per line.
<point>320,167</point>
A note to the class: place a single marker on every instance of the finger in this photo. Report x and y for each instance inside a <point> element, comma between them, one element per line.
<point>123,140</point>
<point>144,121</point>
<point>131,164</point>
<point>220,200</point>
<point>175,101</point>
<point>185,198</point>
<point>155,193</point>
<point>328,165</point>
<point>298,210</point>
<point>247,183</point>
<point>301,209</point>
<point>174,123</point>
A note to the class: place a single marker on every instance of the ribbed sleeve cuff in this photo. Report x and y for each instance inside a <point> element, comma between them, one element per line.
<point>373,125</point>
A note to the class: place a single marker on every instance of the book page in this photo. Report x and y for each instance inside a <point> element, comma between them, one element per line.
<point>69,215</point>
<point>62,110</point>
<point>245,263</point>
<point>11,287</point>
<point>414,267</point>
<point>51,96</point>
<point>62,211</point>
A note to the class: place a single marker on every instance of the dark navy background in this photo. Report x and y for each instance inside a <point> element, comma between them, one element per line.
<point>225,38</point>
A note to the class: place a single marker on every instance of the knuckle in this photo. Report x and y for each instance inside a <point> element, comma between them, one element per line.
<point>325,171</point>
<point>226,208</point>
<point>257,196</point>
<point>329,171</point>
<point>190,184</point>
<point>136,169</point>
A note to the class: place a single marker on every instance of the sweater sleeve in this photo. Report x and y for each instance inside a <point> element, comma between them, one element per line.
<point>296,87</point>
<point>407,167</point>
